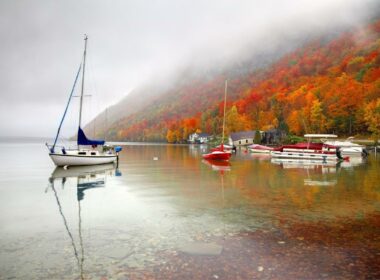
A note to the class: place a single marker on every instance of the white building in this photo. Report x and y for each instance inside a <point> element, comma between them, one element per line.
<point>242,138</point>
<point>199,138</point>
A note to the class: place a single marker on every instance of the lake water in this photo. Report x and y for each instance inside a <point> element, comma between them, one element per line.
<point>164,213</point>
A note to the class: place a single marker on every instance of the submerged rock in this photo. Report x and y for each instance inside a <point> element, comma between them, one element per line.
<point>199,248</point>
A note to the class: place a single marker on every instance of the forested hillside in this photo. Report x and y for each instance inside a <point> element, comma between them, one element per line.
<point>326,86</point>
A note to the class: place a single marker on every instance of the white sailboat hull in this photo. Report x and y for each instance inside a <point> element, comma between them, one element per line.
<point>72,159</point>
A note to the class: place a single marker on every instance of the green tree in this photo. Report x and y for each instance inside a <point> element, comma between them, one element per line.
<point>257,139</point>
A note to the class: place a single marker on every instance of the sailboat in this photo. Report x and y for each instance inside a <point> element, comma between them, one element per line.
<point>220,153</point>
<point>87,151</point>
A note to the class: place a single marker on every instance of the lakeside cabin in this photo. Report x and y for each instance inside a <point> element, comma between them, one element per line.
<point>242,138</point>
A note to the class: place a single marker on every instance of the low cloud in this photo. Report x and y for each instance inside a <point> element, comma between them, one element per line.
<point>132,42</point>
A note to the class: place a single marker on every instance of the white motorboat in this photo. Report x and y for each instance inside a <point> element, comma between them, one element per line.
<point>347,147</point>
<point>82,155</point>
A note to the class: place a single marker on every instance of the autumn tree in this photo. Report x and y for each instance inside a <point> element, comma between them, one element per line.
<point>236,122</point>
<point>317,117</point>
<point>170,136</point>
<point>372,117</point>
<point>294,121</point>
<point>321,87</point>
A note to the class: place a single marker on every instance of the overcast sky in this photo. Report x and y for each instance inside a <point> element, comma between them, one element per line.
<point>130,43</point>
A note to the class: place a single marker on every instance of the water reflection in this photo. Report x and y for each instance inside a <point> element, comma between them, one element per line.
<point>105,226</point>
<point>87,178</point>
<point>218,165</point>
<point>306,163</point>
<point>353,162</point>
<point>260,157</point>
<point>317,173</point>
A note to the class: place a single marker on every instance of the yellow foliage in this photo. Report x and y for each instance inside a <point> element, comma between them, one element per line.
<point>170,136</point>
<point>372,117</point>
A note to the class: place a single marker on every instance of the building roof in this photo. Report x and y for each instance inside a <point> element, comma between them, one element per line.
<point>273,130</point>
<point>200,134</point>
<point>235,136</point>
<point>204,135</point>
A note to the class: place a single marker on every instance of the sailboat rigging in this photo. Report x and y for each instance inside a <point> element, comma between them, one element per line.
<point>220,153</point>
<point>80,155</point>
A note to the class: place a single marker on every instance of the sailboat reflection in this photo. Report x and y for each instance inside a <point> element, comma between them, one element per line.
<point>221,166</point>
<point>87,177</point>
<point>218,165</point>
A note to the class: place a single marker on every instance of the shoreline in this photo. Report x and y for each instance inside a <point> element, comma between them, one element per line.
<point>305,250</point>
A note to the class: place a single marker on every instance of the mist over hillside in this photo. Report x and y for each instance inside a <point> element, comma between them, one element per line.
<point>198,85</point>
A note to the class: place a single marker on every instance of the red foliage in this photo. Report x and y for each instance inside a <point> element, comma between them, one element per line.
<point>330,82</point>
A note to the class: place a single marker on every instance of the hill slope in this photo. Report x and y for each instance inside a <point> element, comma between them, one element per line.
<point>326,86</point>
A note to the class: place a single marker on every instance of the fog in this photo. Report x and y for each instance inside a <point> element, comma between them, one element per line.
<point>138,42</point>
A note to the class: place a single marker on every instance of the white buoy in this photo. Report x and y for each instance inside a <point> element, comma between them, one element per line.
<point>155,158</point>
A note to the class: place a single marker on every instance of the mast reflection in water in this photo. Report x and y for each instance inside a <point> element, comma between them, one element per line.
<point>87,178</point>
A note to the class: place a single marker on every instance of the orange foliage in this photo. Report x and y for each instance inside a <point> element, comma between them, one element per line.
<point>321,87</point>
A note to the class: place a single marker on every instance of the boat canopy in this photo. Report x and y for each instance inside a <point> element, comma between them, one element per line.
<point>83,140</point>
<point>320,136</point>
<point>305,146</point>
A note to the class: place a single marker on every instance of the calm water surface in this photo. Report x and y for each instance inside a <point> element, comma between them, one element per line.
<point>252,218</point>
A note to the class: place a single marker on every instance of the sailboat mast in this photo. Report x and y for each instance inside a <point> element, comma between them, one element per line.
<point>82,90</point>
<point>224,110</point>
<point>106,125</point>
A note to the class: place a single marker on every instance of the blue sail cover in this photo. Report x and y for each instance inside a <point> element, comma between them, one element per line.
<point>83,140</point>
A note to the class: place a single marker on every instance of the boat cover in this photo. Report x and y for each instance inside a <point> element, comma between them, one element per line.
<point>305,146</point>
<point>260,147</point>
<point>83,140</point>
